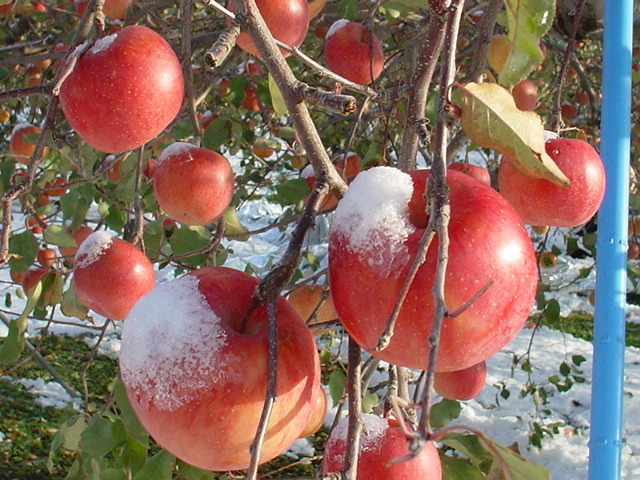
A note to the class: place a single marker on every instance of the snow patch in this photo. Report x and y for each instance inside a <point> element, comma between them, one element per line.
<point>373,430</point>
<point>177,148</point>
<point>103,43</point>
<point>49,394</point>
<point>337,25</point>
<point>93,247</point>
<point>168,342</point>
<point>373,217</point>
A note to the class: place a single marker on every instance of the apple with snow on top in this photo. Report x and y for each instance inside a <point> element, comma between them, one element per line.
<point>194,363</point>
<point>381,442</point>
<point>353,52</point>
<point>373,242</point>
<point>540,202</point>
<point>192,185</point>
<point>287,20</point>
<point>110,275</point>
<point>124,91</point>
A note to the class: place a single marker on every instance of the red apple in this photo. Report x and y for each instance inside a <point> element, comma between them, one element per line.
<point>19,148</point>
<point>381,442</point>
<point>250,100</point>
<point>193,185</point>
<point>479,173</point>
<point>353,52</point>
<point>568,111</point>
<point>319,413</point>
<point>110,275</point>
<point>123,91</point>
<point>315,7</point>
<point>32,277</point>
<point>525,94</point>
<point>56,188</point>
<point>347,173</point>
<point>373,243</point>
<point>113,9</point>
<point>540,202</point>
<point>194,363</point>
<point>288,21</point>
<point>308,300</point>
<point>46,257</point>
<point>79,235</point>
<point>462,384</point>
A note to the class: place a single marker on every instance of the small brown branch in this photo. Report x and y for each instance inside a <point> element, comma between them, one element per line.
<point>271,392</point>
<point>220,50</point>
<point>187,72</point>
<point>354,396</point>
<point>137,237</point>
<point>68,65</point>
<point>556,122</point>
<point>342,104</point>
<point>468,303</point>
<point>45,89</point>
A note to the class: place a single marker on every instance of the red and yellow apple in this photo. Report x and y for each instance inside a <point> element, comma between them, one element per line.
<point>525,94</point>
<point>110,275</point>
<point>193,185</point>
<point>540,202</point>
<point>113,9</point>
<point>310,299</point>
<point>124,90</point>
<point>194,361</point>
<point>381,442</point>
<point>287,20</point>
<point>353,52</point>
<point>462,384</point>
<point>19,147</point>
<point>373,243</point>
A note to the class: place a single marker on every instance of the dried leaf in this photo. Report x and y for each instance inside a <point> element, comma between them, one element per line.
<point>490,118</point>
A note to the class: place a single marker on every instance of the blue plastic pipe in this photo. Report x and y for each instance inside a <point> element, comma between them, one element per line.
<point>605,445</point>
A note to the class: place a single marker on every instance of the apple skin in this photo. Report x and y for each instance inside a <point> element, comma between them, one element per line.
<point>113,9</point>
<point>110,275</point>
<point>79,235</point>
<point>124,91</point>
<point>193,185</point>
<point>540,202</point>
<point>462,384</point>
<point>489,245</point>
<point>202,399</point>
<point>306,298</point>
<point>474,171</point>
<point>18,147</point>
<point>288,21</point>
<point>381,442</point>
<point>353,52</point>
<point>317,417</point>
<point>525,94</point>
<point>347,173</point>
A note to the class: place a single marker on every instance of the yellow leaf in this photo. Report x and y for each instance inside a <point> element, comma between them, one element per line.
<point>490,118</point>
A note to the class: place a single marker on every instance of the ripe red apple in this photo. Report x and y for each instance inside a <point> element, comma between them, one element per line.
<point>57,187</point>
<point>124,90</point>
<point>32,277</point>
<point>353,52</point>
<point>110,275</point>
<point>372,245</point>
<point>568,111</point>
<point>113,9</point>
<point>462,384</point>
<point>310,299</point>
<point>288,21</point>
<point>319,413</point>
<point>525,94</point>
<point>195,368</point>
<point>348,172</point>
<point>19,148</point>
<point>540,202</point>
<point>381,442</point>
<point>479,173</point>
<point>193,185</point>
<point>46,257</point>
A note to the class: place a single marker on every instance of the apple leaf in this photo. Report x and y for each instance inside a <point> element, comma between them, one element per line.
<point>443,412</point>
<point>97,438</point>
<point>337,381</point>
<point>527,22</point>
<point>455,468</point>
<point>512,465</point>
<point>490,118</point>
<point>14,342</point>
<point>57,235</point>
<point>158,467</point>
<point>24,248</point>
<point>71,306</point>
<point>276,98</point>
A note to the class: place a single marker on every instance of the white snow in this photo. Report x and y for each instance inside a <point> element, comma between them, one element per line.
<point>93,247</point>
<point>170,331</point>
<point>48,394</point>
<point>373,429</point>
<point>337,25</point>
<point>373,216</point>
<point>103,43</point>
<point>176,148</point>
<point>19,127</point>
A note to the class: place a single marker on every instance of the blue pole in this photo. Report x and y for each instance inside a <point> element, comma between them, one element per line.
<point>605,444</point>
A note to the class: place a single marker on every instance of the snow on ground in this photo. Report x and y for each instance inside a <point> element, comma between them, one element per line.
<point>507,420</point>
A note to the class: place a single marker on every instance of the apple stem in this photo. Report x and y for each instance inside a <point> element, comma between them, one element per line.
<point>556,88</point>
<point>272,386</point>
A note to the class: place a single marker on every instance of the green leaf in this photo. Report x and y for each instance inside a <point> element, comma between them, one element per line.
<point>67,437</point>
<point>188,239</point>
<point>23,247</point>
<point>75,206</point>
<point>217,133</point>
<point>189,472</point>
<point>127,415</point>
<point>113,474</point>
<point>552,310</point>
<point>158,467</point>
<point>348,9</point>
<point>458,469</point>
<point>443,412</point>
<point>527,22</point>
<point>512,465</point>
<point>233,226</point>
<point>97,439</point>
<point>337,381</point>
<point>14,342</point>
<point>291,192</point>
<point>470,446</point>
<point>71,306</point>
<point>369,402</point>
<point>58,235</point>
<point>490,118</point>
<point>276,98</point>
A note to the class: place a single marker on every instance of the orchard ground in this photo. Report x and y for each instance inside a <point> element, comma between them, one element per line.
<point>521,405</point>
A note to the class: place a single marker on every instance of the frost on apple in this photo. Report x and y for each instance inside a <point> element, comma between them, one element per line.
<point>177,148</point>
<point>373,430</point>
<point>168,341</point>
<point>337,25</point>
<point>373,217</point>
<point>94,246</point>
